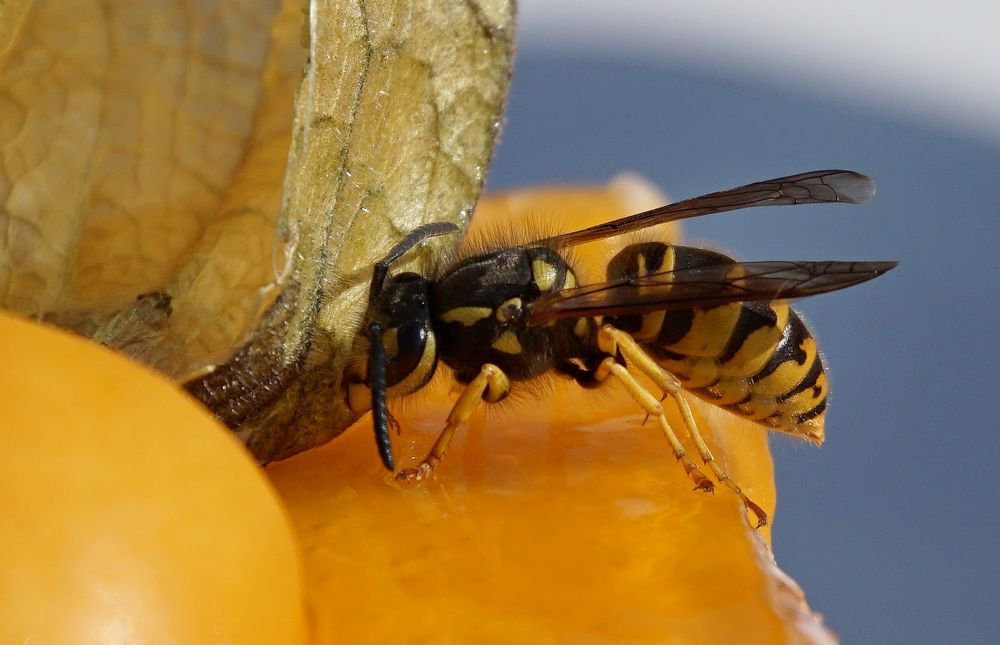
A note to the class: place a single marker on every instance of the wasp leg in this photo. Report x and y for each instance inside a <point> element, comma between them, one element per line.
<point>490,385</point>
<point>612,340</point>
<point>609,367</point>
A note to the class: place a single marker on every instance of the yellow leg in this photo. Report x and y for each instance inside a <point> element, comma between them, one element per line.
<point>491,382</point>
<point>648,402</point>
<point>612,341</point>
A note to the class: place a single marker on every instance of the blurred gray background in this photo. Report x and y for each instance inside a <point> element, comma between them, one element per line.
<point>891,527</point>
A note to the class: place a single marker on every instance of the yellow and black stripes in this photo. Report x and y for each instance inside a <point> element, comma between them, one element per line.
<point>755,358</point>
<point>478,308</point>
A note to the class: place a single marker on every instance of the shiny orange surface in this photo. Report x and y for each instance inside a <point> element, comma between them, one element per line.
<point>557,516</point>
<point>129,515</point>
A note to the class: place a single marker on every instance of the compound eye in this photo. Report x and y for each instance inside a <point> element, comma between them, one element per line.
<point>409,276</point>
<point>411,338</point>
<point>410,341</point>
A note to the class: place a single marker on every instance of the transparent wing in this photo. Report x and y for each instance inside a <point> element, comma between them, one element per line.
<point>703,286</point>
<point>817,187</point>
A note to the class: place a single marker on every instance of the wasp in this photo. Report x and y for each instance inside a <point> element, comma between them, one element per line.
<point>687,318</point>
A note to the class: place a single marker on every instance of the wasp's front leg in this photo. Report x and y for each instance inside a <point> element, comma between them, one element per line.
<point>490,385</point>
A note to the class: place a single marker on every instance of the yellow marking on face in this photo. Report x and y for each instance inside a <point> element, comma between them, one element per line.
<point>466,316</point>
<point>581,328</point>
<point>507,343</point>
<point>569,281</point>
<point>390,341</point>
<point>359,397</point>
<point>423,370</point>
<point>544,274</point>
<point>508,307</point>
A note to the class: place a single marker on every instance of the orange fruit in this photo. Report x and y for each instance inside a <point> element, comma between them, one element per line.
<point>129,515</point>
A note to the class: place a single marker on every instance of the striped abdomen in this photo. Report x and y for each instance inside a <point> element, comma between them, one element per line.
<point>756,359</point>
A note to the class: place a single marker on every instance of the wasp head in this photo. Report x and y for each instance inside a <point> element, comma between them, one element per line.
<point>401,350</point>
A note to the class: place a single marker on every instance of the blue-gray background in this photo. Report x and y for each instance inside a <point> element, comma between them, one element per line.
<point>891,527</point>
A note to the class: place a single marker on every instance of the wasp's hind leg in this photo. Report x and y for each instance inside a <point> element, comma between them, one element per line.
<point>490,385</point>
<point>614,341</point>
<point>609,367</point>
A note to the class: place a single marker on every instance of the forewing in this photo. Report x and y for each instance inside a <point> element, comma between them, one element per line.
<point>817,187</point>
<point>703,287</point>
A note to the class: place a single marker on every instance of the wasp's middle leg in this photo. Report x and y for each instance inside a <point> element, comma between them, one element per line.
<point>609,367</point>
<point>614,341</point>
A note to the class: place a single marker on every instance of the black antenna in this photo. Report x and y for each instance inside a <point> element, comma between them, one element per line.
<point>413,238</point>
<point>381,419</point>
<point>377,385</point>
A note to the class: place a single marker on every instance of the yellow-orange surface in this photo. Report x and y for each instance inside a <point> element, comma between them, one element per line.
<point>129,515</point>
<point>558,518</point>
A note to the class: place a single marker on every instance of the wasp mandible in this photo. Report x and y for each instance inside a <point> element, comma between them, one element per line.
<point>687,318</point>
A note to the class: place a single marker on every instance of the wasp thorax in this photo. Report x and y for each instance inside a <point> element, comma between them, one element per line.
<point>479,307</point>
